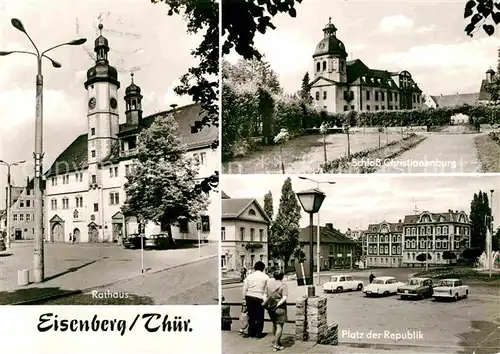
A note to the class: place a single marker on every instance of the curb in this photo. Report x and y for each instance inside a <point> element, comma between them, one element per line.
<point>41,300</point>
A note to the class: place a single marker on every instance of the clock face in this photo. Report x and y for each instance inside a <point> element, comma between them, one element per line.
<point>92,103</point>
<point>113,103</point>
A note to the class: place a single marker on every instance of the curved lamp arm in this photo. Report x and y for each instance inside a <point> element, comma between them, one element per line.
<point>55,63</point>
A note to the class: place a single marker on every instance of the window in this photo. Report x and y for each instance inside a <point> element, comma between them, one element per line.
<point>205,223</point>
<point>367,95</point>
<point>382,96</point>
<point>127,169</point>
<point>223,233</point>
<point>54,181</point>
<point>92,153</point>
<point>261,235</point>
<point>367,107</point>
<point>92,131</point>
<point>14,217</point>
<point>318,66</point>
<point>28,203</point>
<point>111,170</point>
<point>251,212</point>
<point>94,179</point>
<point>114,198</point>
<point>203,158</point>
<point>346,108</point>
<point>242,234</point>
<point>389,94</point>
<point>376,95</point>
<point>383,108</point>
<point>395,96</point>
<point>252,235</point>
<point>352,108</point>
<point>183,225</point>
<point>21,217</point>
<point>196,157</point>
<point>28,192</point>
<point>65,203</point>
<point>28,217</point>
<point>376,108</point>
<point>53,204</point>
<point>223,261</point>
<point>96,207</point>
<point>324,65</point>
<point>21,204</point>
<point>79,202</point>
<point>324,95</point>
<point>317,96</point>
<point>390,108</point>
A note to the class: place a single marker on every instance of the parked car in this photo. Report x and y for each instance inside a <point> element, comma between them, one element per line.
<point>382,286</point>
<point>450,289</point>
<point>131,241</point>
<point>160,241</point>
<point>339,283</point>
<point>2,245</point>
<point>416,288</point>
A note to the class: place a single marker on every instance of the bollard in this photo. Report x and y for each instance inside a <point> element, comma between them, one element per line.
<point>23,277</point>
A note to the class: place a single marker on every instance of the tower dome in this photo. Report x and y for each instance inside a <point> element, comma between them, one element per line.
<point>132,89</point>
<point>330,44</point>
<point>101,71</point>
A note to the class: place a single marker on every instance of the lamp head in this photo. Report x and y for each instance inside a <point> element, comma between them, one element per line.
<point>5,53</point>
<point>18,24</point>
<point>55,64</point>
<point>78,41</point>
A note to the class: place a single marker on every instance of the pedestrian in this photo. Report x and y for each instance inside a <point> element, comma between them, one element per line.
<point>243,273</point>
<point>254,287</point>
<point>372,276</point>
<point>243,319</point>
<point>275,302</point>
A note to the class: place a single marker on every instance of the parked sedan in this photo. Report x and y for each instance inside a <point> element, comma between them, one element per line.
<point>416,288</point>
<point>450,289</point>
<point>339,283</point>
<point>160,241</point>
<point>383,286</point>
<point>132,241</point>
<point>2,245</point>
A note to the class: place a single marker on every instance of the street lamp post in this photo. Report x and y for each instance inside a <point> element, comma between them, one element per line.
<point>9,196</point>
<point>318,238</point>
<point>311,201</point>
<point>38,260</point>
<point>490,243</point>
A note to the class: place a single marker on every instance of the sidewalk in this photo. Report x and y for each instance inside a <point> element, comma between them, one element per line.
<point>232,342</point>
<point>75,267</point>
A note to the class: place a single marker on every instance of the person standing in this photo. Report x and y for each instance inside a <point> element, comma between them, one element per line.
<point>254,287</point>
<point>372,276</point>
<point>276,296</point>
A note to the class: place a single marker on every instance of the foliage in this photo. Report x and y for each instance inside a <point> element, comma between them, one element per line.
<point>305,89</point>
<point>282,137</point>
<point>479,212</point>
<point>161,187</point>
<point>358,251</point>
<point>286,226</point>
<point>483,14</point>
<point>493,88</point>
<point>449,255</point>
<point>421,257</point>
<point>495,240</point>
<point>299,255</point>
<point>471,254</point>
<point>241,19</point>
<point>200,82</point>
<point>268,204</point>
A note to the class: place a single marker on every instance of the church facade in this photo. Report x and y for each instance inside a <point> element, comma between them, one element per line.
<point>341,85</point>
<point>85,185</point>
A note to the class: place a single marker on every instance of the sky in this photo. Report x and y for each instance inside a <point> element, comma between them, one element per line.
<point>356,201</point>
<point>426,38</point>
<point>141,36</point>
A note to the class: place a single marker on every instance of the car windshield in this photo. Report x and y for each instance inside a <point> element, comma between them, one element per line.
<point>333,279</point>
<point>378,281</point>
<point>446,283</point>
<point>414,282</point>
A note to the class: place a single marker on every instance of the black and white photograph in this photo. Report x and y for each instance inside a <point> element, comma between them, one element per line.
<point>109,153</point>
<point>404,264</point>
<point>332,86</point>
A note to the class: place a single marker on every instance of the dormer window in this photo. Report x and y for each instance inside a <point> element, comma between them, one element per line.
<point>252,212</point>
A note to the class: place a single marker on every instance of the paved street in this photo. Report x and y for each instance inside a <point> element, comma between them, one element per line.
<point>457,148</point>
<point>81,266</point>
<point>471,322</point>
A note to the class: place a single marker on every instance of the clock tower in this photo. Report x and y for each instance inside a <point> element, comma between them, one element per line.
<point>102,108</point>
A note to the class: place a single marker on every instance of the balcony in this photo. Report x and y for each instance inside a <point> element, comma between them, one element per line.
<point>127,153</point>
<point>251,246</point>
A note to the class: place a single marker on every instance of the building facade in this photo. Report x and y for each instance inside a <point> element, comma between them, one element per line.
<point>244,234</point>
<point>341,85</point>
<point>335,248</point>
<point>384,245</point>
<point>85,185</point>
<point>435,233</point>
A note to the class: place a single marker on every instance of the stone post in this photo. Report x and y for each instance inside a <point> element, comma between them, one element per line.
<point>301,319</point>
<point>316,317</point>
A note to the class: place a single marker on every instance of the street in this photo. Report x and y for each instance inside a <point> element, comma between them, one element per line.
<point>470,322</point>
<point>82,266</point>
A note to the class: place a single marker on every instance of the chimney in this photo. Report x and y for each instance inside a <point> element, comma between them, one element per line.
<point>399,222</point>
<point>450,211</point>
<point>456,211</point>
<point>329,226</point>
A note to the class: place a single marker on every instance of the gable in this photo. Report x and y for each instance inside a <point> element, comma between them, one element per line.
<point>322,81</point>
<point>254,212</point>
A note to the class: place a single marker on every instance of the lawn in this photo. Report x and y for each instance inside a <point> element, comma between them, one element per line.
<point>464,273</point>
<point>488,153</point>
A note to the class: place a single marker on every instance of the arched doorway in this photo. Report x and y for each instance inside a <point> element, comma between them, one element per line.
<point>76,235</point>
<point>57,232</point>
<point>93,234</point>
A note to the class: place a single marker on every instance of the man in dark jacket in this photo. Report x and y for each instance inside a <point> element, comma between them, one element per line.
<point>371,277</point>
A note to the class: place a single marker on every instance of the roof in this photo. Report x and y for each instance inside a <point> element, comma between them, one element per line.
<point>456,100</point>
<point>224,195</point>
<point>233,208</point>
<point>393,227</point>
<point>327,235</point>
<point>384,278</point>
<point>449,216</point>
<point>75,156</point>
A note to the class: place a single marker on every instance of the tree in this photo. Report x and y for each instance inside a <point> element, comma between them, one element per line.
<point>241,19</point>
<point>470,255</point>
<point>495,240</point>
<point>162,186</point>
<point>448,255</point>
<point>286,226</point>
<point>482,13</point>
<point>305,90</point>
<point>421,257</point>
<point>281,139</point>
<point>479,212</point>
<point>268,204</point>
<point>358,250</point>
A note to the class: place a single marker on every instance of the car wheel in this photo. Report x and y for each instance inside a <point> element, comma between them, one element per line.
<point>456,297</point>
<point>404,297</point>
<point>339,289</point>
<point>386,293</point>
<point>360,287</point>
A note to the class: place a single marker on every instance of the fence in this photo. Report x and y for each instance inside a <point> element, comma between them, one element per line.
<point>227,318</point>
